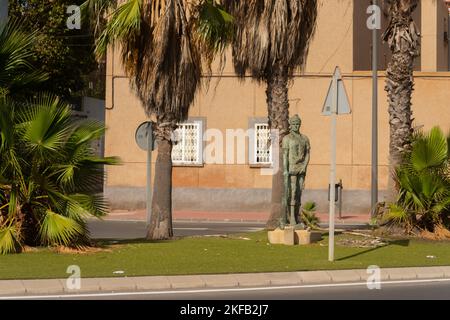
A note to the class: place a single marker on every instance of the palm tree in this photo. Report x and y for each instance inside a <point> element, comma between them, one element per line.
<point>163,43</point>
<point>424,182</point>
<point>49,175</point>
<point>403,38</point>
<point>271,41</point>
<point>17,75</point>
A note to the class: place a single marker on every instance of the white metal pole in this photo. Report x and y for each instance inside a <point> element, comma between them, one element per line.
<point>149,173</point>
<point>374,187</point>
<point>333,171</point>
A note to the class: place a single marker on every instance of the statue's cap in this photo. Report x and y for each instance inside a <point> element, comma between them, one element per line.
<point>295,119</point>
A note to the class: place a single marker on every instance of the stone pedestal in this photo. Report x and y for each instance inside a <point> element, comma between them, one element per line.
<point>291,237</point>
<point>303,237</point>
<point>278,236</point>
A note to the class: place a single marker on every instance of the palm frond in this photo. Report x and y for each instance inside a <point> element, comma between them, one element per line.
<point>124,22</point>
<point>7,124</point>
<point>271,32</point>
<point>65,174</point>
<point>93,205</point>
<point>87,131</point>
<point>12,203</point>
<point>16,49</point>
<point>9,240</point>
<point>46,125</point>
<point>95,12</point>
<point>448,145</point>
<point>430,151</point>
<point>212,26</point>
<point>59,230</point>
<point>308,215</point>
<point>398,215</point>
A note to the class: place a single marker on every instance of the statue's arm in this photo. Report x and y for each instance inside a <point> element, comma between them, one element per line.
<point>285,158</point>
<point>307,156</point>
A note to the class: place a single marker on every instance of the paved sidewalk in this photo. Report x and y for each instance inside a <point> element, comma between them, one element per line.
<point>58,286</point>
<point>232,216</point>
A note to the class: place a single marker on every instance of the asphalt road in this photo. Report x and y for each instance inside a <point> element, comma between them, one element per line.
<point>407,290</point>
<point>126,230</point>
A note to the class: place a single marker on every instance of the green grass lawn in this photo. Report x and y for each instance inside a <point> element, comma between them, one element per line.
<point>218,255</point>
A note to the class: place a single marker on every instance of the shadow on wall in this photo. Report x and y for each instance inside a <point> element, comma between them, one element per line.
<point>232,200</point>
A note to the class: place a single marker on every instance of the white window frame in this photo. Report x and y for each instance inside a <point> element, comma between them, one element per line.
<point>182,127</point>
<point>253,156</point>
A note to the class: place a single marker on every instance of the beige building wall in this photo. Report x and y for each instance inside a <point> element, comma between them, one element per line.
<point>442,37</point>
<point>229,104</point>
<point>434,45</point>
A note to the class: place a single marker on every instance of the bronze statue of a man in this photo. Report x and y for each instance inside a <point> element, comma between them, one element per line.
<point>296,155</point>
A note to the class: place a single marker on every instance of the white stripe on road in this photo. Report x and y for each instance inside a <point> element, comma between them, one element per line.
<point>335,285</point>
<point>191,229</point>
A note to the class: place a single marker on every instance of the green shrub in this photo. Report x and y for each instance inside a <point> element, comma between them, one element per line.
<point>424,184</point>
<point>309,217</point>
<point>49,175</point>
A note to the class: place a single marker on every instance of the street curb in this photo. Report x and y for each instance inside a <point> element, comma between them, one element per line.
<point>350,223</point>
<point>159,283</point>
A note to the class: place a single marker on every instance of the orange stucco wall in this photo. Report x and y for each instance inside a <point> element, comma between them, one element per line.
<point>228,104</point>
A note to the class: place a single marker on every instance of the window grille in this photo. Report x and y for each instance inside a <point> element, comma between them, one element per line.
<point>263,146</point>
<point>187,144</point>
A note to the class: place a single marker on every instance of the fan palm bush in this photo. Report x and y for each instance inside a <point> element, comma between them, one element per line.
<point>49,174</point>
<point>424,184</point>
<point>17,75</point>
<point>308,215</point>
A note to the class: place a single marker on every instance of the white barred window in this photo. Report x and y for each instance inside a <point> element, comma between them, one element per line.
<point>187,148</point>
<point>262,144</point>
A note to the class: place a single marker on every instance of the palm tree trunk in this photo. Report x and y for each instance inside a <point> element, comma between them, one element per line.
<point>399,85</point>
<point>161,220</point>
<point>403,38</point>
<point>278,110</point>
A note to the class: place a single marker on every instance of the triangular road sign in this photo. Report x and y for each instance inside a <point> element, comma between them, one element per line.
<point>343,104</point>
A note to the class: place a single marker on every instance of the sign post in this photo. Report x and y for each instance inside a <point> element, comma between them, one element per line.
<point>146,141</point>
<point>333,171</point>
<point>336,103</point>
<point>374,24</point>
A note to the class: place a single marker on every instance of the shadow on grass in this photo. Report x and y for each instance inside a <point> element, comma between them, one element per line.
<point>401,243</point>
<point>112,242</point>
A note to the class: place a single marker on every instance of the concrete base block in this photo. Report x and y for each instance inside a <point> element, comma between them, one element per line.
<point>279,236</point>
<point>276,236</point>
<point>303,237</point>
<point>291,237</point>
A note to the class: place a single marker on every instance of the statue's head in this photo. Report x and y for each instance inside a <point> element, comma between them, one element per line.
<point>295,123</point>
